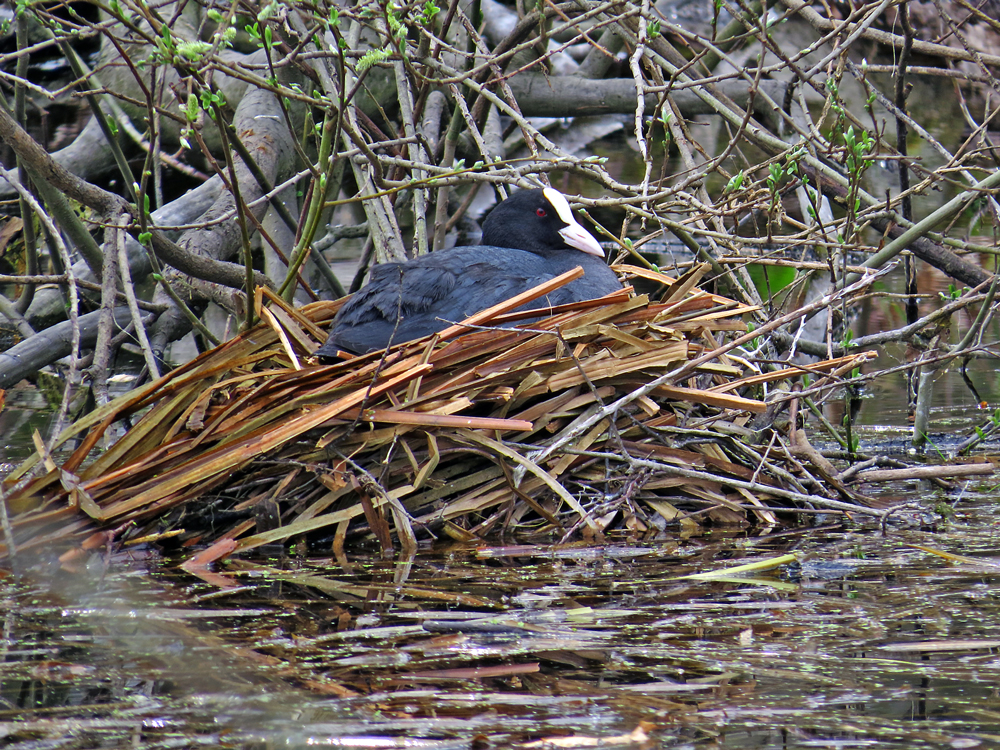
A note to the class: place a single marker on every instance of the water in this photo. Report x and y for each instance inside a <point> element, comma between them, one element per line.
<point>24,411</point>
<point>867,641</point>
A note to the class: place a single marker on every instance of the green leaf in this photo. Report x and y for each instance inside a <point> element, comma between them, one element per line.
<point>770,278</point>
<point>735,182</point>
<point>430,11</point>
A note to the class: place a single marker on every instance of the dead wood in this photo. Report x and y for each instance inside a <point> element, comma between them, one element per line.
<point>545,96</point>
<point>925,472</point>
<point>51,344</point>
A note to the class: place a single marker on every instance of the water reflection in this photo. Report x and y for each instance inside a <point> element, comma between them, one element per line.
<point>868,642</point>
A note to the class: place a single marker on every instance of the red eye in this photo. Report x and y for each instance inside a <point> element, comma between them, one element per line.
<point>540,212</point>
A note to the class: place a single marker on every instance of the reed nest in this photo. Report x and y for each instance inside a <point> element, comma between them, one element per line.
<point>615,415</point>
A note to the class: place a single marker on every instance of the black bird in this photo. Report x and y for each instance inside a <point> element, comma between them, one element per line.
<point>527,239</point>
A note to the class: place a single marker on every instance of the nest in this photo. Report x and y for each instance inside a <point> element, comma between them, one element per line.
<point>613,415</point>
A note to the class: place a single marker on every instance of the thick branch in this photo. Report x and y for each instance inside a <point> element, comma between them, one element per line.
<point>262,129</point>
<point>109,204</point>
<point>36,158</point>
<point>571,96</point>
<point>52,344</point>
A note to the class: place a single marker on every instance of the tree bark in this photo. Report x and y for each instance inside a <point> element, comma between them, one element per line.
<point>54,343</point>
<point>573,96</point>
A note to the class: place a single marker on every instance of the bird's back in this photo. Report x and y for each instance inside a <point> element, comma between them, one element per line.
<point>405,301</point>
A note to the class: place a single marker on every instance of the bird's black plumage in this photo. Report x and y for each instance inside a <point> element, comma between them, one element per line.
<point>527,239</point>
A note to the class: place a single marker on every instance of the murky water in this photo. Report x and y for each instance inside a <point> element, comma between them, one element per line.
<point>867,641</point>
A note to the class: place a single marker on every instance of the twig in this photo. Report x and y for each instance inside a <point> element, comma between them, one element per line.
<point>133,306</point>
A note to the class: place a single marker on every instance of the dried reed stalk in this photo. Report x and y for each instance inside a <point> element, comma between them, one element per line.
<point>435,435</point>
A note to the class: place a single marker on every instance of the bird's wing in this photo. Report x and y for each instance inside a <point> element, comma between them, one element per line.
<point>395,289</point>
<point>405,302</point>
<point>484,284</point>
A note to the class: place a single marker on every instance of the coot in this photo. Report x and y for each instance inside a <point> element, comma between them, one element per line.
<point>527,239</point>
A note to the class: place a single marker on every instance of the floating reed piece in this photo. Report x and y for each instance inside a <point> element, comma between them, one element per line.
<point>611,414</point>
